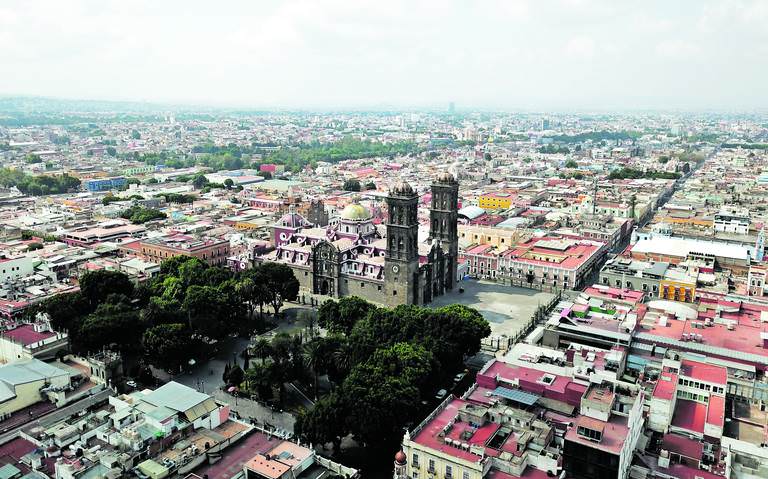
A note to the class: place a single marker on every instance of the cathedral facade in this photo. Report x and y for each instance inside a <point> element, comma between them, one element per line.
<point>351,256</point>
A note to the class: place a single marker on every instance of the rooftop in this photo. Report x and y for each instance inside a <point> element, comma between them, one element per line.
<point>614,433</point>
<point>704,372</point>
<point>26,334</point>
<point>430,435</point>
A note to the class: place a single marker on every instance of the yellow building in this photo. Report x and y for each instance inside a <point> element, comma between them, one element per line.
<point>677,286</point>
<point>501,238</point>
<point>494,201</point>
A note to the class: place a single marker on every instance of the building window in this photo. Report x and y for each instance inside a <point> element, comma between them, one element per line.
<point>415,460</point>
<point>465,475</point>
<point>448,472</point>
<point>431,468</point>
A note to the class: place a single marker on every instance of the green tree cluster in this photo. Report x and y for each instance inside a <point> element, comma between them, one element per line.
<point>140,215</point>
<point>596,136</point>
<point>177,197</point>
<point>295,159</point>
<point>351,184</point>
<point>171,315</point>
<point>38,185</point>
<point>552,149</point>
<point>383,362</point>
<point>632,173</point>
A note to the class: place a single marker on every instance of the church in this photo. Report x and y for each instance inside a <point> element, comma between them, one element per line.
<point>350,256</point>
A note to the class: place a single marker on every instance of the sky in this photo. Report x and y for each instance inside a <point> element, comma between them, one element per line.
<point>538,55</point>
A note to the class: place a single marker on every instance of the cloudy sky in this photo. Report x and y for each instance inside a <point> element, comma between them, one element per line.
<point>501,54</point>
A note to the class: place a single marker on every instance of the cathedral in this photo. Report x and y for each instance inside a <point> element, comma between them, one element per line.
<point>350,256</point>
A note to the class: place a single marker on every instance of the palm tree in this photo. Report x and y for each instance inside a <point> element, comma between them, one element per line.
<point>314,355</point>
<point>262,349</point>
<point>343,358</point>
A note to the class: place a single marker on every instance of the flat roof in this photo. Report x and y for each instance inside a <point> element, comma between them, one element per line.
<point>690,415</point>
<point>267,467</point>
<point>683,446</point>
<point>614,433</point>
<point>666,386</point>
<point>681,247</point>
<point>704,372</point>
<point>429,435</point>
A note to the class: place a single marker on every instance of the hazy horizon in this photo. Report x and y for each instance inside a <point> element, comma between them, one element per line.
<point>491,55</point>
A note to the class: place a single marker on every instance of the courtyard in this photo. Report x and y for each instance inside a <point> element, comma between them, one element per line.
<point>506,308</point>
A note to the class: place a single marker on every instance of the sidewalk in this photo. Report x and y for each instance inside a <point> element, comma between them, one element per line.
<point>263,415</point>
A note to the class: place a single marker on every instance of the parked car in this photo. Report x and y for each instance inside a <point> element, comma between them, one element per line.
<point>441,394</point>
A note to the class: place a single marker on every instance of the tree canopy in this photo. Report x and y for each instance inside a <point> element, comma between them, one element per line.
<point>38,185</point>
<point>384,362</point>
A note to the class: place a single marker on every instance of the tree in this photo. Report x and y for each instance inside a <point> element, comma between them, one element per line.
<point>172,266</point>
<point>111,151</point>
<point>169,346</point>
<point>340,316</point>
<point>140,215</point>
<point>34,246</point>
<point>109,324</point>
<point>281,284</point>
<point>64,310</point>
<point>236,376</point>
<point>96,286</point>
<point>228,183</point>
<point>206,311</point>
<point>370,185</point>
<point>530,277</point>
<point>351,184</point>
<point>449,333</point>
<point>262,349</point>
<point>323,423</point>
<point>314,355</point>
<point>135,135</point>
<point>382,394</point>
<point>200,181</point>
<point>571,164</point>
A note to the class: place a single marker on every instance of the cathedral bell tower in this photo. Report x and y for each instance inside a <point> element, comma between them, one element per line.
<point>401,260</point>
<point>443,219</point>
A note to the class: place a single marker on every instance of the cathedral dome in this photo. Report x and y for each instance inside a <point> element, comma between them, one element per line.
<point>355,212</point>
<point>400,457</point>
<point>445,177</point>
<point>401,188</point>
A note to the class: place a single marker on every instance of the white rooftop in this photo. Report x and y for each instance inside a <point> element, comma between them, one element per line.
<point>681,247</point>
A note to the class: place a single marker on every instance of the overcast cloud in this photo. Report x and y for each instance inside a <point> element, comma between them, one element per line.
<point>510,54</point>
